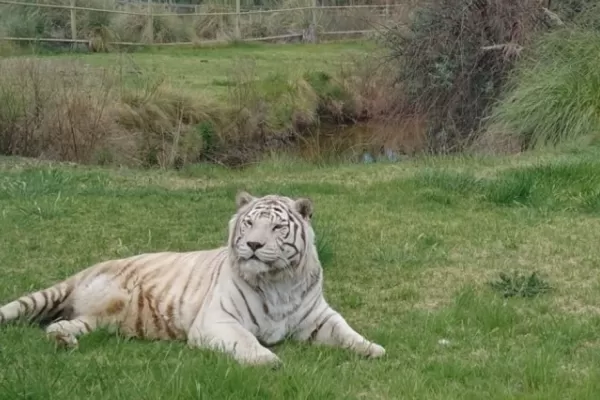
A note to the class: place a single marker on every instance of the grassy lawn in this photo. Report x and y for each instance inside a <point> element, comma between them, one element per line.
<point>211,71</point>
<point>408,251</point>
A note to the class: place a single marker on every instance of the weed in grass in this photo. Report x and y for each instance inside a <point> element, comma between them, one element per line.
<point>520,284</point>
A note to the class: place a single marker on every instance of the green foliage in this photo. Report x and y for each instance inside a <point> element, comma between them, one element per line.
<point>554,94</point>
<point>336,102</point>
<point>520,284</point>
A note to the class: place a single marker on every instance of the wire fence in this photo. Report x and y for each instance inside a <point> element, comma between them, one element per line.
<point>98,23</point>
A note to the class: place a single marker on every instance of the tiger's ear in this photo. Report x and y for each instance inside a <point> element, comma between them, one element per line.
<point>243,198</point>
<point>305,207</point>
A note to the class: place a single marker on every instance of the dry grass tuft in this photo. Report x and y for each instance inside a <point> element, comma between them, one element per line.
<point>53,109</point>
<point>64,110</point>
<point>166,124</point>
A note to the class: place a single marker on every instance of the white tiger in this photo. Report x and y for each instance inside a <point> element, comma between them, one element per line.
<point>264,286</point>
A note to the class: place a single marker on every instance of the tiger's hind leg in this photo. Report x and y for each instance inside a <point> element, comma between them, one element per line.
<point>65,332</point>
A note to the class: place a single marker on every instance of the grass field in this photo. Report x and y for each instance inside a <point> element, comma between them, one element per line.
<point>408,251</point>
<point>211,71</point>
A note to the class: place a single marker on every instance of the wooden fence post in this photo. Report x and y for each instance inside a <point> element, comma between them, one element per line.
<point>237,20</point>
<point>150,22</point>
<point>313,28</point>
<point>387,10</point>
<point>73,21</point>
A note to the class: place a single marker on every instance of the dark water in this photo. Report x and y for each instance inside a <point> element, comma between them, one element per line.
<point>357,143</point>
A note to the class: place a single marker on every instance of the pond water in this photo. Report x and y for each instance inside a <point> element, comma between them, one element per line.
<point>357,143</point>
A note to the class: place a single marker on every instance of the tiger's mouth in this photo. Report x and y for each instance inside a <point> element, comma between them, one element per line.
<point>255,259</point>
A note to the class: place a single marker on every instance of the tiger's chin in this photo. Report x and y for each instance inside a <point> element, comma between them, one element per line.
<point>254,266</point>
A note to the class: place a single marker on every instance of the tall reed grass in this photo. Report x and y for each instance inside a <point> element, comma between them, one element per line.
<point>555,91</point>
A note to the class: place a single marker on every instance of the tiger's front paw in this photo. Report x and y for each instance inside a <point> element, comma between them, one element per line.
<point>262,357</point>
<point>63,340</point>
<point>375,351</point>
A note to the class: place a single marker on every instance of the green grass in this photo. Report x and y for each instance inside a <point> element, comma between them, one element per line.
<point>212,71</point>
<point>409,250</point>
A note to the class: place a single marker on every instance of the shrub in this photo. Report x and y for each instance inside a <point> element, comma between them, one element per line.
<point>554,93</point>
<point>454,58</point>
<point>335,101</point>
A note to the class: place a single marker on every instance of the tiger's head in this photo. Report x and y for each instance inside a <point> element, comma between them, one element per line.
<point>272,234</point>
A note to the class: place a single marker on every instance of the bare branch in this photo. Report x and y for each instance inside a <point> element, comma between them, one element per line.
<point>554,19</point>
<point>505,46</point>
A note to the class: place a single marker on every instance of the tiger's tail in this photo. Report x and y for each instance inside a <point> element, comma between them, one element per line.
<point>42,305</point>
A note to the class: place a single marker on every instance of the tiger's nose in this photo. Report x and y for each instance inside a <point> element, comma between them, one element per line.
<point>255,245</point>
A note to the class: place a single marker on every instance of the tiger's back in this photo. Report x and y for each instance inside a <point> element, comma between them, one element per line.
<point>151,295</point>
